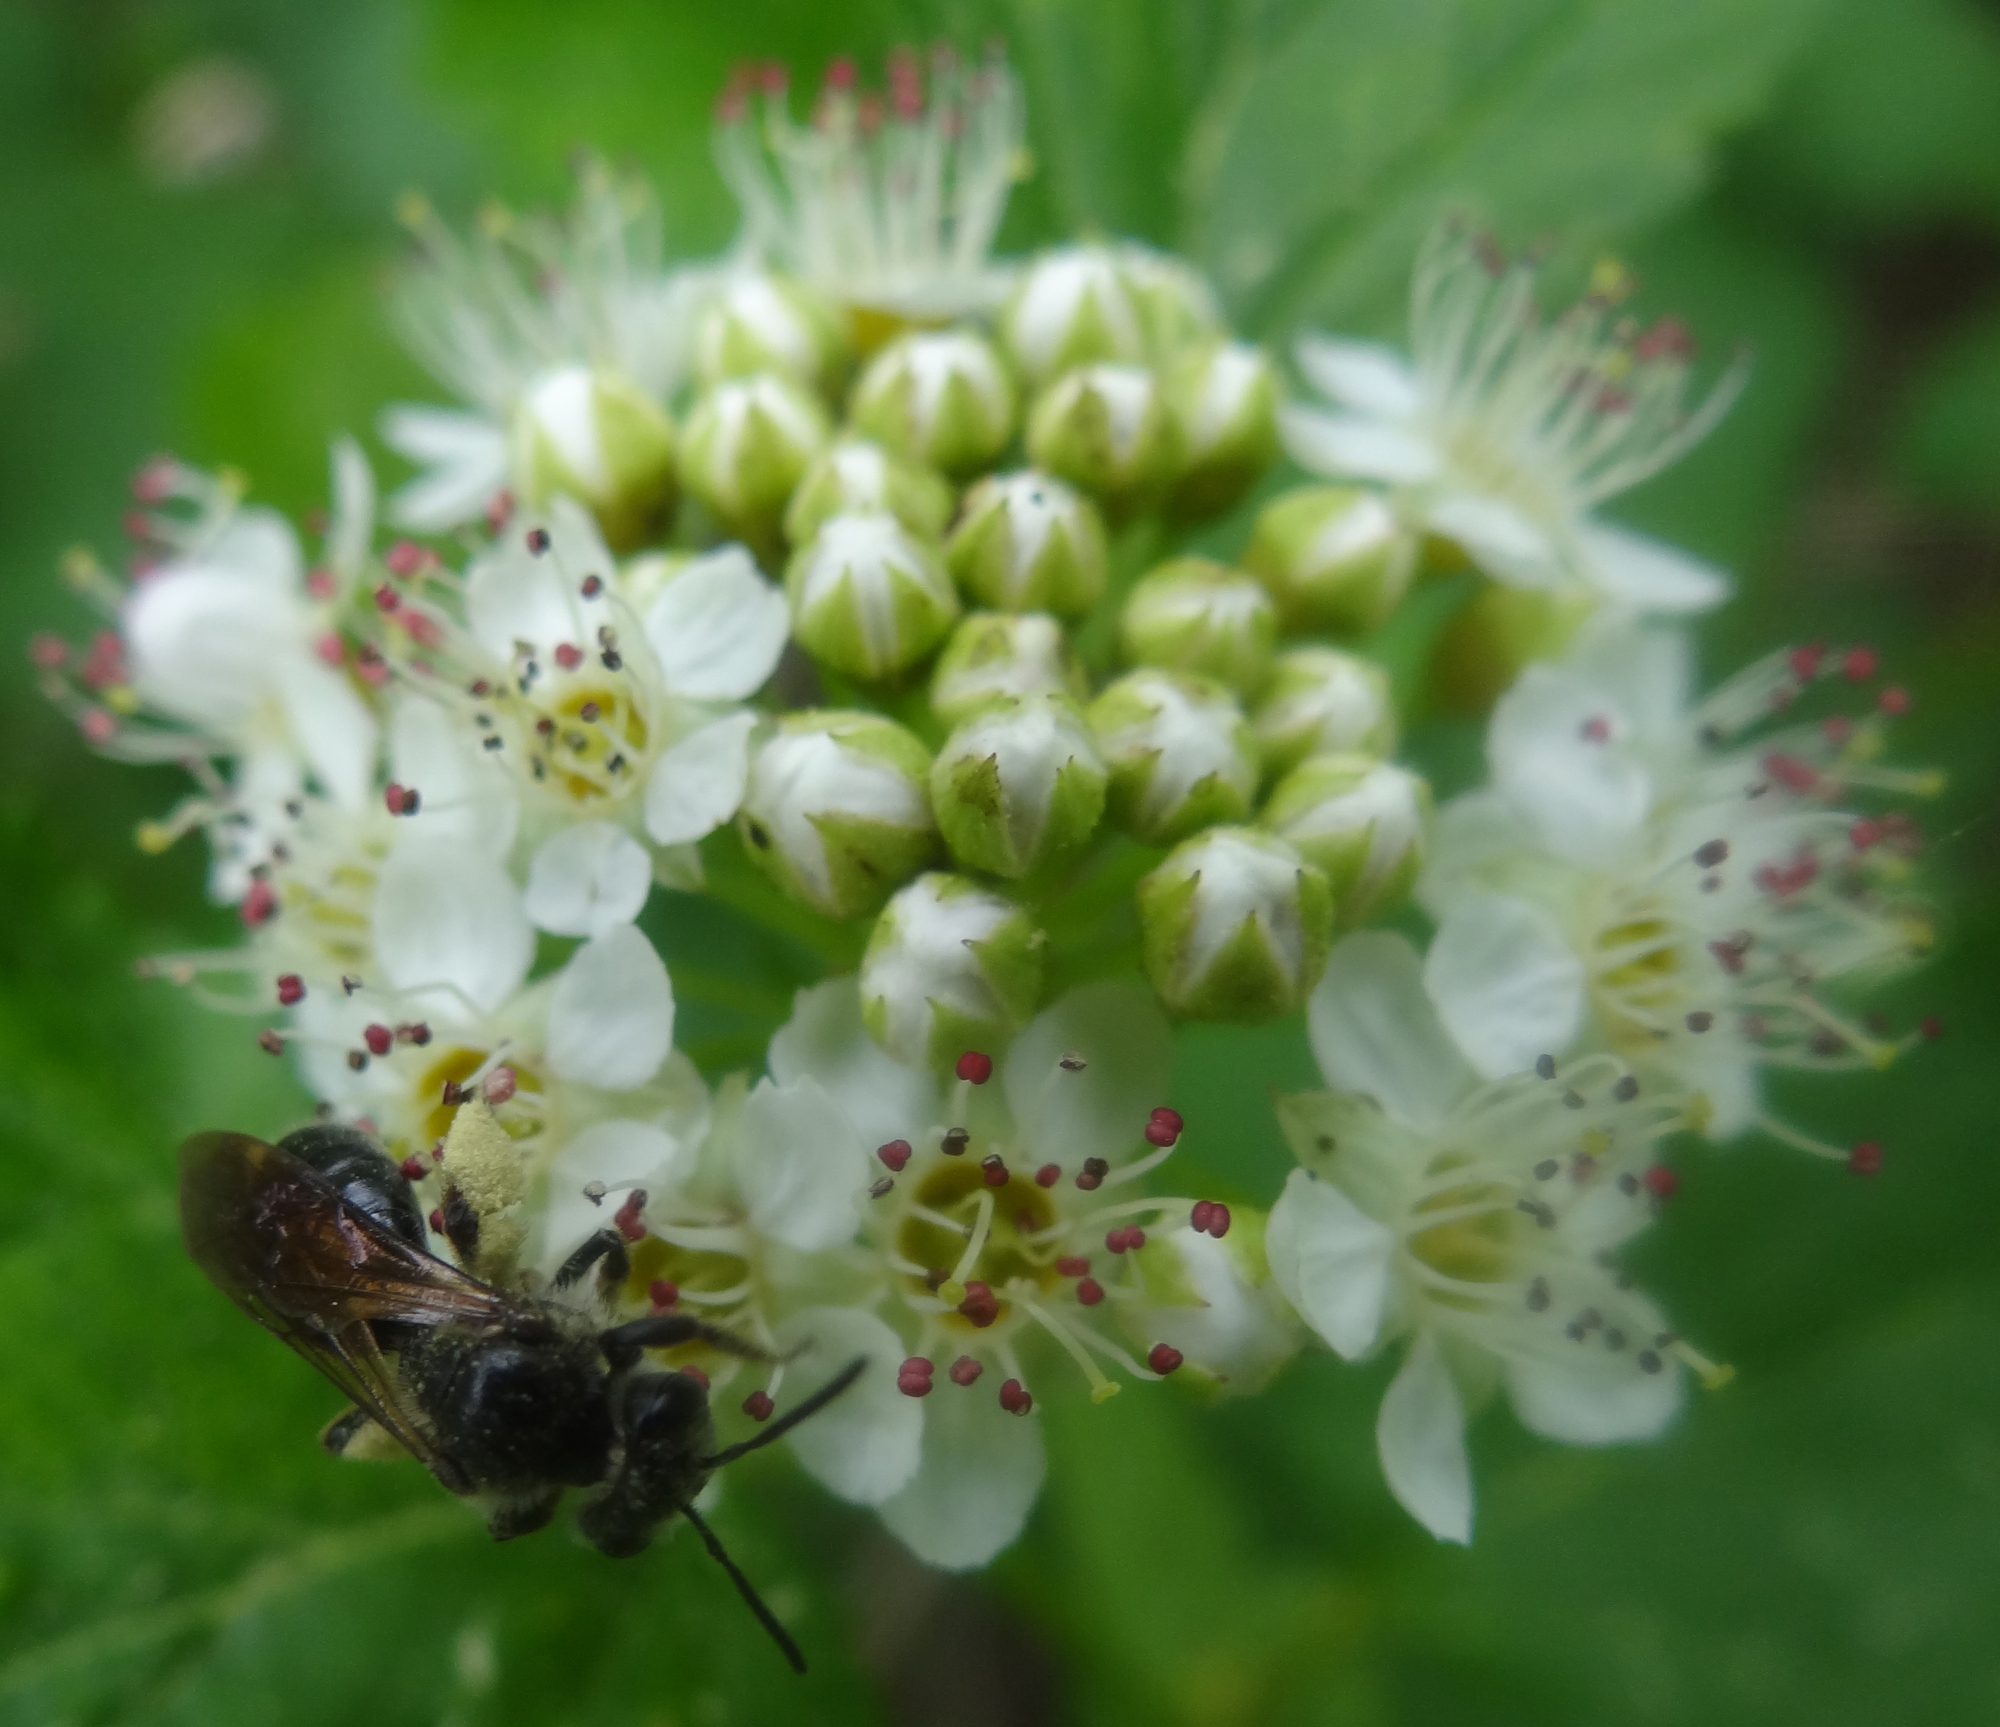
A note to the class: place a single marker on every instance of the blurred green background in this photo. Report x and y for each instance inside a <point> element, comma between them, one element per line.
<point>1816,1544</point>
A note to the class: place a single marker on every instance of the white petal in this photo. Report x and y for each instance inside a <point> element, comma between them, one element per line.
<point>448,925</point>
<point>1348,446</point>
<point>1240,1332</point>
<point>611,1017</point>
<point>259,544</point>
<point>1506,983</point>
<point>1369,376</point>
<point>1647,573</point>
<point>352,529</point>
<point>718,627</point>
<point>1420,1437</point>
<point>622,1155</point>
<point>697,783</point>
<point>801,1166</point>
<point>1101,1109</point>
<point>513,595</point>
<point>465,796</point>
<point>465,461</point>
<point>204,640</point>
<point>332,726</point>
<point>1476,832</point>
<point>1332,1261</point>
<point>1561,752</point>
<point>1651,668</point>
<point>1498,538</point>
<point>1593,1397</point>
<point>586,879</point>
<point>1374,1030</point>
<point>866,1443</point>
<point>981,1471</point>
<point>825,1040</point>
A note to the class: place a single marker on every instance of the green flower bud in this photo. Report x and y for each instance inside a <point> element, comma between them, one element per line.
<point>596,436</point>
<point>1334,557</point>
<point>1106,429</point>
<point>949,967</point>
<point>857,478</point>
<point>1235,925</point>
<point>1225,397</point>
<point>1018,785</point>
<point>1362,821</point>
<point>1180,753</point>
<point>1321,701</point>
<point>1176,306</point>
<point>997,656</point>
<point>868,598</point>
<point>1025,542</point>
<point>836,810</point>
<point>1196,615</point>
<point>1071,307</point>
<point>748,442</point>
<point>760,321</point>
<point>941,397</point>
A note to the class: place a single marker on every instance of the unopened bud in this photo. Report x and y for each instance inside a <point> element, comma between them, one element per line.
<point>836,809</point>
<point>594,435</point>
<point>868,598</point>
<point>1320,701</point>
<point>950,967</point>
<point>1107,429</point>
<point>1334,557</point>
<point>1235,925</point>
<point>1176,306</point>
<point>748,443</point>
<point>1225,398</point>
<point>761,321</point>
<point>858,478</point>
<point>1018,785</point>
<point>1362,821</point>
<point>998,656</point>
<point>1025,542</point>
<point>1071,307</point>
<point>937,397</point>
<point>1180,753</point>
<point>1196,615</point>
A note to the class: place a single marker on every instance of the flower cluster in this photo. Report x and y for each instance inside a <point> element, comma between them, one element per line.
<point>869,581</point>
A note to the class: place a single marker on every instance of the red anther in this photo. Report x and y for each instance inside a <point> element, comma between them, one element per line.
<point>423,629</point>
<point>417,1033</point>
<point>393,798</point>
<point>663,1292</point>
<point>1218,1220</point>
<point>696,1374</point>
<point>1836,729</point>
<point>1865,1158</point>
<point>1858,665</point>
<point>154,482</point>
<point>404,558</point>
<point>1163,1358</point>
<point>370,667</point>
<point>980,1305</point>
<point>1729,954</point>
<point>320,584</point>
<point>1867,832</point>
<point>1894,700</point>
<point>994,1170</point>
<point>387,599</point>
<point>258,904</point>
<point>1091,1177</point>
<point>758,1406</point>
<point>1199,1216</point>
<point>1661,1182</point>
<point>1791,773</point>
<point>436,1221</point>
<point>965,1370</point>
<point>568,655</point>
<point>1805,661</point>
<point>1163,1129</point>
<point>332,651</point>
<point>1596,730</point>
<point>1131,1237</point>
<point>1667,338</point>
<point>499,1085</point>
<point>840,73</point>
<point>895,1154</point>
<point>1048,1175</point>
<point>538,540</point>
<point>498,508</point>
<point>378,1038</point>
<point>270,1042</point>
<point>1089,1291</point>
<point>1014,1398</point>
<point>545,727</point>
<point>772,77</point>
<point>592,587</point>
<point>1072,1265</point>
<point>105,662</point>
<point>913,1378</point>
<point>291,989</point>
<point>413,1168</point>
<point>974,1067</point>
<point>98,727</point>
<point>627,1217</point>
<point>1930,1028</point>
<point>48,652</point>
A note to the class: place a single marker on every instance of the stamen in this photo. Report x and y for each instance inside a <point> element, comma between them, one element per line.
<point>965,1370</point>
<point>662,1293</point>
<point>975,1068</point>
<point>1164,1358</point>
<point>913,1378</point>
<point>895,1155</point>
<point>758,1405</point>
<point>982,1222</point>
<point>1014,1398</point>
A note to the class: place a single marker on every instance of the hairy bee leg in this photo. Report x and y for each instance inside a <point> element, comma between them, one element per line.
<point>607,1245</point>
<point>342,1431</point>
<point>522,1515</point>
<point>622,1343</point>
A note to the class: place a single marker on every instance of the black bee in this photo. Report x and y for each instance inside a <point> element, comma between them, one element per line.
<point>505,1396</point>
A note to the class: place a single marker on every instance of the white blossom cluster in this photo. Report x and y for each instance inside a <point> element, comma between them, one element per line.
<point>851,575</point>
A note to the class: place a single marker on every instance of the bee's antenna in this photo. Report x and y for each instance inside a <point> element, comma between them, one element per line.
<point>792,1417</point>
<point>744,1588</point>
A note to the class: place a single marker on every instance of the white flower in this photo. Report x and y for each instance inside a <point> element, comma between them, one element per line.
<point>1645,878</point>
<point>1504,433</point>
<point>885,207</point>
<point>1477,1221</point>
<point>525,323</point>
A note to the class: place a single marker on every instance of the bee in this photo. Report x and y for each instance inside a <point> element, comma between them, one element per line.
<point>508,1397</point>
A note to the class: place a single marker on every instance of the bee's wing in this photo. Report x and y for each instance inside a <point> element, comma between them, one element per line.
<point>282,1243</point>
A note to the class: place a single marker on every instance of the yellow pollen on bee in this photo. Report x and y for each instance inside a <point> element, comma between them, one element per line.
<point>480,1158</point>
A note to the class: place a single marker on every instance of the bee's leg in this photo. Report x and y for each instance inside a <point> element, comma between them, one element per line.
<point>622,1343</point>
<point>522,1514</point>
<point>358,1436</point>
<point>342,1431</point>
<point>607,1245</point>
